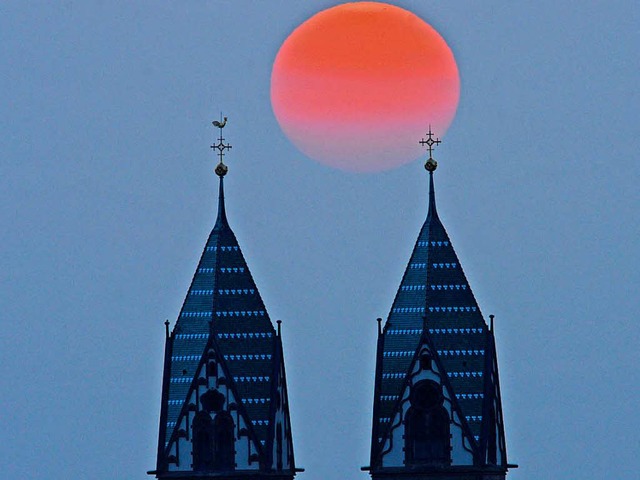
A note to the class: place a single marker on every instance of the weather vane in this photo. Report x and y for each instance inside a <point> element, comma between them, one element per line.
<point>221,168</point>
<point>431,164</point>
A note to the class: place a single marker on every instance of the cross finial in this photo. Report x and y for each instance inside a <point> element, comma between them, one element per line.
<point>431,164</point>
<point>221,169</point>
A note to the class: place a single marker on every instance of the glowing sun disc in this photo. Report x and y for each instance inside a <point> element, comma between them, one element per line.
<point>357,85</point>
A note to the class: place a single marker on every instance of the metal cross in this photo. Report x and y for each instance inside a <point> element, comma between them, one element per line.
<point>430,142</point>
<point>220,146</point>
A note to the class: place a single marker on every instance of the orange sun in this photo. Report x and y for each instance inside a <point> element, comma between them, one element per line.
<point>356,86</point>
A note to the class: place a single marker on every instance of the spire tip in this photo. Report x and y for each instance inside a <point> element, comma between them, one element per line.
<point>431,164</point>
<point>221,169</point>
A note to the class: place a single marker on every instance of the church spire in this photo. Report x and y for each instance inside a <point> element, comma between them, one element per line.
<point>437,410</point>
<point>225,409</point>
<point>430,166</point>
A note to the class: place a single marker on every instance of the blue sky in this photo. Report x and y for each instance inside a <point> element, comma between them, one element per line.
<point>107,195</point>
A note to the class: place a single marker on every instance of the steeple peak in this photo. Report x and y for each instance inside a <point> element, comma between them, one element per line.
<point>221,170</point>
<point>429,143</point>
<point>430,165</point>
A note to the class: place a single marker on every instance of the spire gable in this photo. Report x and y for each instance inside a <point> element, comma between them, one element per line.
<point>426,398</point>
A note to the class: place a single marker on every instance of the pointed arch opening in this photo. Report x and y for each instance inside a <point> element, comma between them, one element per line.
<point>224,444</point>
<point>427,426</point>
<point>213,442</point>
<point>202,442</point>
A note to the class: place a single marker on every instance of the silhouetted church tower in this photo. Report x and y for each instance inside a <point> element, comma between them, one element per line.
<point>437,412</point>
<point>224,409</point>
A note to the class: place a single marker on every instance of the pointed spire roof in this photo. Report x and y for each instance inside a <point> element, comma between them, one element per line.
<point>434,291</point>
<point>223,300</point>
<point>434,305</point>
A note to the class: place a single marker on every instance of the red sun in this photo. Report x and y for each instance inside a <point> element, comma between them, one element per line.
<point>356,86</point>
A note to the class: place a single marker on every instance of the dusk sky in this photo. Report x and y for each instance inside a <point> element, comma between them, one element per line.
<point>107,196</point>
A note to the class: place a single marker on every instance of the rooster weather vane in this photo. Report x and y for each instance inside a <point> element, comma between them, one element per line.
<point>431,164</point>
<point>221,168</point>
